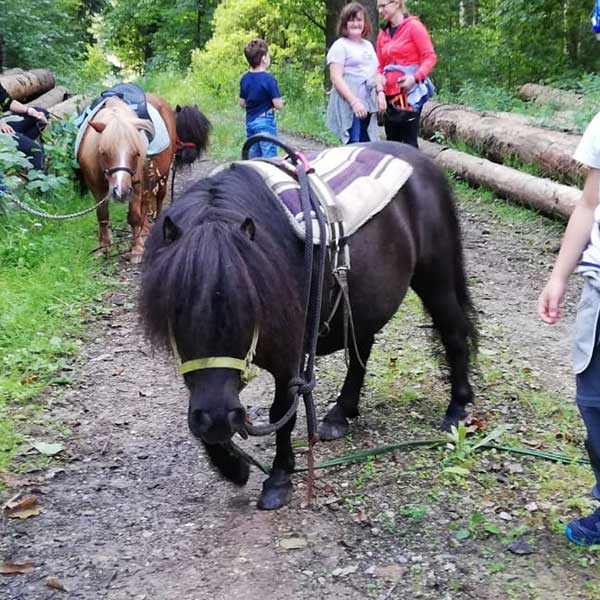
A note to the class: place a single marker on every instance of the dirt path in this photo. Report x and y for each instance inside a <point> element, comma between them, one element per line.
<point>135,513</point>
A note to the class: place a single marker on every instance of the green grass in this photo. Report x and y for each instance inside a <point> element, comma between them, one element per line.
<point>49,285</point>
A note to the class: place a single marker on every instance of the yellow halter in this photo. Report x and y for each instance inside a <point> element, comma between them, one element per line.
<point>221,362</point>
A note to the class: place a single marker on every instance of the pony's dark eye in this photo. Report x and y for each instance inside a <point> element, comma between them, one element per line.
<point>171,231</point>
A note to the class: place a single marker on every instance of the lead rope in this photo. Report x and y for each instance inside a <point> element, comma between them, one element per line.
<point>314,295</point>
<point>304,382</point>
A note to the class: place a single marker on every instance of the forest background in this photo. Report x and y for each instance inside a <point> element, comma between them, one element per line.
<point>485,47</point>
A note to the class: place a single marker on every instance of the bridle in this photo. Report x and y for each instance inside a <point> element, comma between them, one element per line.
<point>109,172</point>
<point>222,362</point>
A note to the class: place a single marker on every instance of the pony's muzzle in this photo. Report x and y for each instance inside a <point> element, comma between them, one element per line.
<point>215,428</point>
<point>122,193</point>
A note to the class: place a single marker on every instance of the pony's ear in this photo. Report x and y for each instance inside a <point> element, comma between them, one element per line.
<point>248,228</point>
<point>178,108</point>
<point>98,126</point>
<point>170,231</point>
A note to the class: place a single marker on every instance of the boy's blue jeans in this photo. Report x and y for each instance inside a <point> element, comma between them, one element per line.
<point>263,124</point>
<point>588,401</point>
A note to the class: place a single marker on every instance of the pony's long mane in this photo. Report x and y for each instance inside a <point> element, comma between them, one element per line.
<point>213,282</point>
<point>122,127</point>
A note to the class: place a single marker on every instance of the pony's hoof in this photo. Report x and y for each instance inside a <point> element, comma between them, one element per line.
<point>333,430</point>
<point>275,496</point>
<point>135,259</point>
<point>452,421</point>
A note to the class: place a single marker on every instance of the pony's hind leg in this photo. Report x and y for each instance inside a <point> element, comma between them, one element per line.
<point>335,425</point>
<point>277,488</point>
<point>450,310</point>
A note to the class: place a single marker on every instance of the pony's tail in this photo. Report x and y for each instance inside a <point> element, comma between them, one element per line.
<point>192,134</point>
<point>461,285</point>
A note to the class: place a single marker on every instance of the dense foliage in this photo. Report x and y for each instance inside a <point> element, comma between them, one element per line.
<point>499,42</point>
<point>50,33</point>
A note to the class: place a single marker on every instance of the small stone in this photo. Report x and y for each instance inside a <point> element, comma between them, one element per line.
<point>520,547</point>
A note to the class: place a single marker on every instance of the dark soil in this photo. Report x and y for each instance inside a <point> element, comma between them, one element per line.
<point>132,510</point>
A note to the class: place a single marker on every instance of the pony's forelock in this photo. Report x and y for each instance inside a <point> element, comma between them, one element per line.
<point>213,283</point>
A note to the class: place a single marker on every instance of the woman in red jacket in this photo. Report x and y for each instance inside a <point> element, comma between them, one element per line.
<point>406,57</point>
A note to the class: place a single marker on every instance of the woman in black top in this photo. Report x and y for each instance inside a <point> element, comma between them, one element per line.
<point>26,129</point>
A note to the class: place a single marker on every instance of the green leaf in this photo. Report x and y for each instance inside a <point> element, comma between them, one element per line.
<point>460,471</point>
<point>491,528</point>
<point>47,449</point>
<point>463,534</point>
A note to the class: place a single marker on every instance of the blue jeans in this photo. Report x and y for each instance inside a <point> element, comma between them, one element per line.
<point>264,124</point>
<point>588,402</point>
<point>358,132</point>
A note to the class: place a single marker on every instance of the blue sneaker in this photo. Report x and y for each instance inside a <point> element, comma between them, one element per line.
<point>585,531</point>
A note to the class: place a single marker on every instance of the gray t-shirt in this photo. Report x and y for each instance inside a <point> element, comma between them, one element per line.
<point>358,59</point>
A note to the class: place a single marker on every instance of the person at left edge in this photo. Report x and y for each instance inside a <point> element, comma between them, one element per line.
<point>26,128</point>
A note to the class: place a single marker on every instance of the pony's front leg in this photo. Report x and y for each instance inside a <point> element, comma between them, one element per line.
<point>135,218</point>
<point>104,233</point>
<point>335,425</point>
<point>277,489</point>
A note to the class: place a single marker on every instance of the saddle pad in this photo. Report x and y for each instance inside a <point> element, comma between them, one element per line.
<point>357,180</point>
<point>157,144</point>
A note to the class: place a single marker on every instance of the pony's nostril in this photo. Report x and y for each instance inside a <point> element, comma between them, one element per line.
<point>236,418</point>
<point>200,420</point>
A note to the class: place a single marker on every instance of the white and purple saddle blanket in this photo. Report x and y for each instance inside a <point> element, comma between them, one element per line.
<point>353,184</point>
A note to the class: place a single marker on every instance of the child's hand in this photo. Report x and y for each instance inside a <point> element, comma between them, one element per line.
<point>551,300</point>
<point>359,109</point>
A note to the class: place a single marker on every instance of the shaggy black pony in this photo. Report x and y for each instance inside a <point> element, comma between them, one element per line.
<point>223,262</point>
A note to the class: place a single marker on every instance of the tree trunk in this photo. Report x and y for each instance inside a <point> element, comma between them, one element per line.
<point>543,94</point>
<point>501,137</point>
<point>26,85</point>
<point>371,8</point>
<point>333,8</point>
<point>51,97</point>
<point>73,105</point>
<point>541,194</point>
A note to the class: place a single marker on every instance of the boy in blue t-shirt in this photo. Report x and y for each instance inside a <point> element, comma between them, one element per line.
<point>259,95</point>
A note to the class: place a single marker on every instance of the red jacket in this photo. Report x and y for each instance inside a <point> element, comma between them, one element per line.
<point>410,46</point>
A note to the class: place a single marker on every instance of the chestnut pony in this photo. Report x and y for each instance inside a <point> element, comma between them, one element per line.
<point>114,162</point>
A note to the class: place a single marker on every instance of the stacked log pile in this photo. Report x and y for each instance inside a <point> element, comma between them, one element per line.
<point>25,85</point>
<point>38,88</point>
<point>539,193</point>
<point>498,137</point>
<point>543,94</point>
